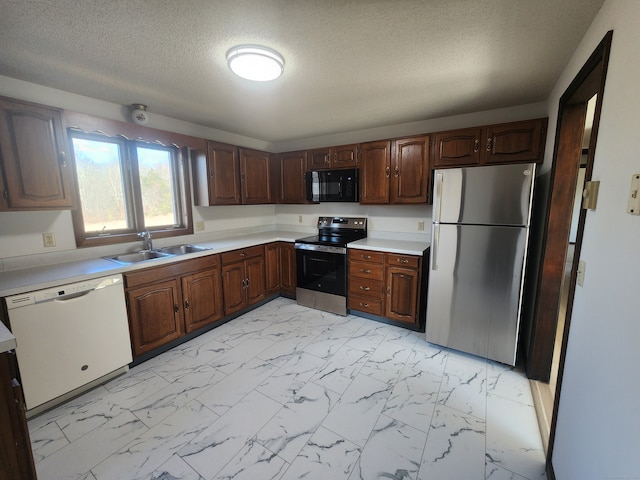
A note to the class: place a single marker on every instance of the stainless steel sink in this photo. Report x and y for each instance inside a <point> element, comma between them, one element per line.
<point>141,256</point>
<point>182,249</point>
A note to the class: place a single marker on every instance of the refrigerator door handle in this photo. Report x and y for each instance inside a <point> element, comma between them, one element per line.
<point>438,196</point>
<point>434,246</point>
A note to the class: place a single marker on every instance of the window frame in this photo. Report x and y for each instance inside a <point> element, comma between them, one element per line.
<point>132,193</point>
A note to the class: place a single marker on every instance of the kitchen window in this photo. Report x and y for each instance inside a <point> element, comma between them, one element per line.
<point>127,186</point>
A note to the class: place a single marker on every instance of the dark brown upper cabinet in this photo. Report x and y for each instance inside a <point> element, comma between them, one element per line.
<point>375,172</point>
<point>291,168</point>
<point>216,175</point>
<point>410,170</point>
<point>255,176</point>
<point>514,142</point>
<point>343,156</point>
<point>395,171</point>
<point>36,168</point>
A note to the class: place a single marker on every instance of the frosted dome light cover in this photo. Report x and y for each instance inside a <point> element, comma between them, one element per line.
<point>252,62</point>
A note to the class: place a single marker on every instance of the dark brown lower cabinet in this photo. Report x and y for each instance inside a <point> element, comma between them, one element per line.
<point>243,278</point>
<point>385,284</point>
<point>280,260</point>
<point>16,458</point>
<point>164,303</point>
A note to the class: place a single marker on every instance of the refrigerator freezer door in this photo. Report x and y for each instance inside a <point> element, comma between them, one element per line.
<point>474,289</point>
<point>493,195</point>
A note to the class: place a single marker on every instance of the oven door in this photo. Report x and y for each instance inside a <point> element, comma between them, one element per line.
<point>322,268</point>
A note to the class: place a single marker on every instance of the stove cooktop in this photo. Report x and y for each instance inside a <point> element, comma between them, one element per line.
<point>337,231</point>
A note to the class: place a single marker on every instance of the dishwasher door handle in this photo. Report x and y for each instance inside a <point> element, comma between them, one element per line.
<point>71,296</point>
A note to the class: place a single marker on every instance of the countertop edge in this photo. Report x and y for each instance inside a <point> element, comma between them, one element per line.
<point>7,340</point>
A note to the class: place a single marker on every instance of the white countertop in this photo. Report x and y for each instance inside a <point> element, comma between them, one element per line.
<point>393,246</point>
<point>14,282</point>
<point>7,340</point>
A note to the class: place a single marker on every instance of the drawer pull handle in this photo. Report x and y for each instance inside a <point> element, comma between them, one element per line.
<point>176,308</point>
<point>364,270</point>
<point>403,260</point>
<point>367,257</point>
<point>243,254</point>
<point>366,289</point>
<point>365,305</point>
<point>186,304</point>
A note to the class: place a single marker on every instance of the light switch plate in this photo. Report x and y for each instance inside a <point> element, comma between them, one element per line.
<point>582,265</point>
<point>634,195</point>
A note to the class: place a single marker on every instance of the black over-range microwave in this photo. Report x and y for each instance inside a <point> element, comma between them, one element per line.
<point>332,185</point>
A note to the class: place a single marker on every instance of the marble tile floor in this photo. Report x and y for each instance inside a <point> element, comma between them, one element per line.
<point>287,392</point>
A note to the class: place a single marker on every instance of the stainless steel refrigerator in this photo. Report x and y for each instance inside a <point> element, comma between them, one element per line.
<point>479,243</point>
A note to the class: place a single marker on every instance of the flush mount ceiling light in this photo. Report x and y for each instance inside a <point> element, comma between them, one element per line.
<point>255,63</point>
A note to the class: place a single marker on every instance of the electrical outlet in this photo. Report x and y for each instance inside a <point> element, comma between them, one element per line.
<point>421,225</point>
<point>200,226</point>
<point>299,218</point>
<point>49,239</point>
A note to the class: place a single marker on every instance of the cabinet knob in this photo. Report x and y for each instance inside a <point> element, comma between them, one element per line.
<point>366,289</point>
<point>365,305</point>
<point>396,172</point>
<point>186,304</point>
<point>62,157</point>
<point>387,172</point>
<point>476,146</point>
<point>489,144</point>
<point>176,308</point>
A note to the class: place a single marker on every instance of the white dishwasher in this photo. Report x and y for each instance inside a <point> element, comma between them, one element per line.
<point>69,337</point>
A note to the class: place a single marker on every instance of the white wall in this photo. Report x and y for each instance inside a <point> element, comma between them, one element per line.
<point>21,232</point>
<point>598,428</point>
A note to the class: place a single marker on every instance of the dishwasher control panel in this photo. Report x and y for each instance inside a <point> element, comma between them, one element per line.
<point>61,292</point>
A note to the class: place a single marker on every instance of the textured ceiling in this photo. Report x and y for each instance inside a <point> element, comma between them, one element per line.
<point>349,65</point>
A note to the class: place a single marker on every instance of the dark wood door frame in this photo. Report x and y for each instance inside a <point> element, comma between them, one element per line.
<point>567,151</point>
<point>589,81</point>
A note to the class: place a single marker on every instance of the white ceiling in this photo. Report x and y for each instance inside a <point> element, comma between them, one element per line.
<point>349,65</point>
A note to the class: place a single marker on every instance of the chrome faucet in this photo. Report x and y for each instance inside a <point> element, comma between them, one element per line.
<point>147,244</point>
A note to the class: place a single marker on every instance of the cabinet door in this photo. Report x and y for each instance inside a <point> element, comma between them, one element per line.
<point>201,299</point>
<point>319,159</point>
<point>458,148</point>
<point>223,174</point>
<point>375,170</point>
<point>255,272</point>
<point>293,166</point>
<point>402,294</point>
<point>516,142</point>
<point>288,279</point>
<point>233,287</point>
<point>254,176</point>
<point>155,315</point>
<point>273,267</point>
<point>37,165</point>
<point>344,156</point>
<point>410,170</point>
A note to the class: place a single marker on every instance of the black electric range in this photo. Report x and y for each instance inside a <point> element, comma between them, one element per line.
<point>321,263</point>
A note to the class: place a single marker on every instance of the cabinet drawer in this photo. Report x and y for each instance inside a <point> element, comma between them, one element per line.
<point>365,286</point>
<point>365,304</point>
<point>366,270</point>
<point>241,254</point>
<point>365,256</point>
<point>410,261</point>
